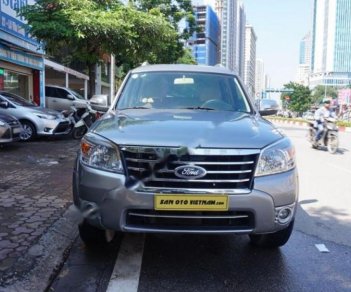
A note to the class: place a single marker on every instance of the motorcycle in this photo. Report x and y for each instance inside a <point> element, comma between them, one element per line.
<point>330,137</point>
<point>87,118</point>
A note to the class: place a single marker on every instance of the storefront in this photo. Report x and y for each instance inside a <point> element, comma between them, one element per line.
<point>22,69</point>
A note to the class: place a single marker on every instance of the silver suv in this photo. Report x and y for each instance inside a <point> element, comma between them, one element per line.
<point>62,98</point>
<point>183,150</point>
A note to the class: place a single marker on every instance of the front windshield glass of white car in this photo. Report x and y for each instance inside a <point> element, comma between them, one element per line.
<point>183,90</point>
<point>17,100</point>
<point>77,94</point>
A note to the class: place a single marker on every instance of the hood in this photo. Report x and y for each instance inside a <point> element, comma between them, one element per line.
<point>190,128</point>
<point>7,118</point>
<point>43,110</point>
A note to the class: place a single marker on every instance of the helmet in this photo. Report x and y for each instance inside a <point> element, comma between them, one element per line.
<point>326,100</point>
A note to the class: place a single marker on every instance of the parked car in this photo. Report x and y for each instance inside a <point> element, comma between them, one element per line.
<point>10,129</point>
<point>62,98</point>
<point>269,106</point>
<point>34,119</point>
<point>183,150</point>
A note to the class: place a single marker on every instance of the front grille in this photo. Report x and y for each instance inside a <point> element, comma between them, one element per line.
<point>225,169</point>
<point>62,127</point>
<point>206,221</point>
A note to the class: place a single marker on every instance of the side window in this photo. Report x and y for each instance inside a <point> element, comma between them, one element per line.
<point>49,91</point>
<point>61,93</point>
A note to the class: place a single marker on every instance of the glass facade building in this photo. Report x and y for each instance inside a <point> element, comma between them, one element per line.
<point>331,51</point>
<point>205,42</point>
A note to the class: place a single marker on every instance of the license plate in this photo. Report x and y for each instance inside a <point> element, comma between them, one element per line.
<point>183,202</point>
<point>16,130</point>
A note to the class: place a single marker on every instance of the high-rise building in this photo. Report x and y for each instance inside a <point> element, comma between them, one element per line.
<point>331,49</point>
<point>259,78</point>
<point>204,44</point>
<point>232,43</point>
<point>304,68</point>
<point>250,60</point>
<point>241,25</point>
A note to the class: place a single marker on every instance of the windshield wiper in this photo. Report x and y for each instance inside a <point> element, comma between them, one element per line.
<point>134,107</point>
<point>200,108</point>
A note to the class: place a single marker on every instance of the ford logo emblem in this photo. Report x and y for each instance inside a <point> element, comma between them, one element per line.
<point>189,172</point>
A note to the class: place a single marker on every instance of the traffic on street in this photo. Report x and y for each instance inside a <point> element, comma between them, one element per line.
<point>175,145</point>
<point>317,256</point>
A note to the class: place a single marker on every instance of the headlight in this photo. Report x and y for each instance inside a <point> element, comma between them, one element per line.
<point>101,154</point>
<point>2,123</point>
<point>276,158</point>
<point>46,117</point>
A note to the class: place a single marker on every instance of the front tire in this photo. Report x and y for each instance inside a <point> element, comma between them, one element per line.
<point>29,131</point>
<point>93,236</point>
<point>333,144</point>
<point>272,240</point>
<point>78,133</point>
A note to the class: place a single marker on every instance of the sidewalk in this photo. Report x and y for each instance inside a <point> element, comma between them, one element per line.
<point>35,191</point>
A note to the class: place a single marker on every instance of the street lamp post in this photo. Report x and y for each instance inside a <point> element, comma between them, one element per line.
<point>325,84</point>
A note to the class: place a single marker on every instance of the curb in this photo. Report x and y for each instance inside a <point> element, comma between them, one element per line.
<point>303,124</point>
<point>48,253</point>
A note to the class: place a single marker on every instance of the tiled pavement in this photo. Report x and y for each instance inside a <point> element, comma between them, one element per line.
<point>35,191</point>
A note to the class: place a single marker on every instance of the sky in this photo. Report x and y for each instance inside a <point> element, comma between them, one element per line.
<point>279,25</point>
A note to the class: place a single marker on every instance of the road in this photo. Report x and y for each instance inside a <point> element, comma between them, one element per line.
<point>229,263</point>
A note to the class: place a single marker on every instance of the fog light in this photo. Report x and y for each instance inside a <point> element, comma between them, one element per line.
<point>284,215</point>
<point>47,130</point>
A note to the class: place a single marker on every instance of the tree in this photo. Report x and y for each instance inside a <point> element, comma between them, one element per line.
<point>88,29</point>
<point>299,100</point>
<point>320,91</point>
<point>180,14</point>
<point>175,11</point>
<point>187,58</point>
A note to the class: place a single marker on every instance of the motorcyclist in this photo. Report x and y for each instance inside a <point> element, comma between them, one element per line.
<point>320,115</point>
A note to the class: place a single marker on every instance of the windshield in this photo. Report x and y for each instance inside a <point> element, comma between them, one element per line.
<point>17,100</point>
<point>183,90</point>
<point>77,94</point>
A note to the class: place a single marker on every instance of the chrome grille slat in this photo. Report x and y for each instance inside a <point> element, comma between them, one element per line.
<point>141,160</point>
<point>209,171</point>
<point>200,180</point>
<point>213,163</point>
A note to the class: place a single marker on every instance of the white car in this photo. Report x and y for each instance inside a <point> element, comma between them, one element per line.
<point>62,98</point>
<point>34,119</point>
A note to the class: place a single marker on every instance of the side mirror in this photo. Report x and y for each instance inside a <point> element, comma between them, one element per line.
<point>268,112</point>
<point>4,104</point>
<point>70,97</point>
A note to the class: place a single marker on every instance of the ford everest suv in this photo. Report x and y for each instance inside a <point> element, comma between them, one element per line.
<point>183,150</point>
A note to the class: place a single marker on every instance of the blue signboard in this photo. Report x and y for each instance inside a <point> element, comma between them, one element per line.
<point>21,58</point>
<point>14,25</point>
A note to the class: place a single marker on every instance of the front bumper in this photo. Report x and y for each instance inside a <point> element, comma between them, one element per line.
<point>54,127</point>
<point>106,203</point>
<point>10,134</point>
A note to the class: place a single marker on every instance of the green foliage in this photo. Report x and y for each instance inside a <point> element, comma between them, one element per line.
<point>174,10</point>
<point>343,124</point>
<point>320,91</point>
<point>299,99</point>
<point>187,58</point>
<point>88,29</point>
